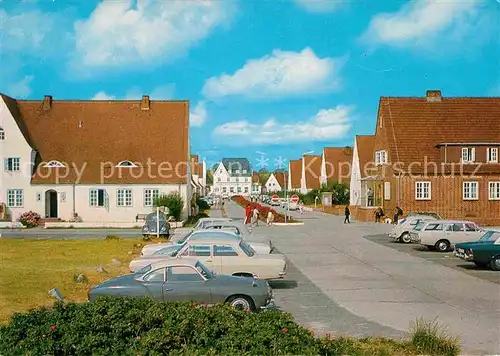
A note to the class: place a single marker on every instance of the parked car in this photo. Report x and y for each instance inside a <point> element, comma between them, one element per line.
<point>153,222</point>
<point>188,280</point>
<point>259,247</point>
<point>401,232</point>
<point>203,221</point>
<point>417,214</point>
<point>484,252</point>
<point>443,234</point>
<point>224,255</point>
<point>244,233</point>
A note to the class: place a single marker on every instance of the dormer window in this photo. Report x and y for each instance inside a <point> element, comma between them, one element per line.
<point>53,164</point>
<point>380,157</point>
<point>492,155</point>
<point>126,164</point>
<point>468,154</point>
<point>2,134</point>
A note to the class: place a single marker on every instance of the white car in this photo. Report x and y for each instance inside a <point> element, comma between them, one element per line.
<point>245,233</point>
<point>223,255</point>
<point>203,221</point>
<point>443,234</point>
<point>259,247</point>
<point>401,232</point>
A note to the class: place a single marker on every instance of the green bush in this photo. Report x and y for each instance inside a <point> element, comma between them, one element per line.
<point>138,326</point>
<point>202,204</point>
<point>173,202</point>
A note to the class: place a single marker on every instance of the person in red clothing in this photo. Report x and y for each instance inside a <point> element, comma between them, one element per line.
<point>248,214</point>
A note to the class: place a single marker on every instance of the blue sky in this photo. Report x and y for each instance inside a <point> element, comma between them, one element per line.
<point>278,78</point>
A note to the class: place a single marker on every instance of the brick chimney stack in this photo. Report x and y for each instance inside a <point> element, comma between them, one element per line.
<point>433,96</point>
<point>47,102</point>
<point>145,102</point>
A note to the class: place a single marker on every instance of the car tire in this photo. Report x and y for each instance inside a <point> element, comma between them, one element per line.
<point>442,245</point>
<point>495,263</point>
<point>405,238</point>
<point>241,302</point>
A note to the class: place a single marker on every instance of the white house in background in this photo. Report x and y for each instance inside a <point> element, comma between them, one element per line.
<point>256,184</point>
<point>102,160</point>
<point>361,159</point>
<point>199,175</point>
<point>232,176</point>
<point>276,182</point>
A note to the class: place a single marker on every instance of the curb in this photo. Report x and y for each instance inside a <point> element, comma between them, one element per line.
<point>288,224</point>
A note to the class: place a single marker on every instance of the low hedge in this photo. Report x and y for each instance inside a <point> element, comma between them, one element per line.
<point>137,326</point>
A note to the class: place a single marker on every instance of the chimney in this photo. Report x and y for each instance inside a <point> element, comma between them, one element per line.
<point>47,102</point>
<point>433,96</point>
<point>145,102</point>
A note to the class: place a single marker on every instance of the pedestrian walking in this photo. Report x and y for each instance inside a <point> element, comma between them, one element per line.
<point>301,207</point>
<point>248,214</point>
<point>255,217</point>
<point>347,215</point>
<point>369,194</point>
<point>399,212</point>
<point>270,218</point>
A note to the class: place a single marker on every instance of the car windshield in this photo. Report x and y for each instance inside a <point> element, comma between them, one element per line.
<point>205,272</point>
<point>168,251</point>
<point>185,238</point>
<point>419,226</point>
<point>490,236</point>
<point>152,217</point>
<point>144,270</point>
<point>249,251</point>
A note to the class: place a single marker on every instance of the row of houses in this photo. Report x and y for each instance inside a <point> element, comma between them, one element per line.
<point>103,161</point>
<point>428,154</point>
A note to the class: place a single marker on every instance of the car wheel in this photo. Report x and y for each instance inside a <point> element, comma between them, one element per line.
<point>495,263</point>
<point>481,264</point>
<point>241,302</point>
<point>405,238</point>
<point>442,245</point>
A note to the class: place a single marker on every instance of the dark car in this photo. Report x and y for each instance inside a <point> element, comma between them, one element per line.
<point>155,221</point>
<point>184,280</point>
<point>484,253</point>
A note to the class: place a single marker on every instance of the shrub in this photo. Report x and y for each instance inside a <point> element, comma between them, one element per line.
<point>173,202</point>
<point>140,326</point>
<point>430,338</point>
<point>30,219</point>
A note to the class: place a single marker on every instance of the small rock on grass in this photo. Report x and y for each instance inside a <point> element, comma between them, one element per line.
<point>101,270</point>
<point>116,262</point>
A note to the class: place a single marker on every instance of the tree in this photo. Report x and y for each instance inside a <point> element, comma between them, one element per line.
<point>210,177</point>
<point>173,202</point>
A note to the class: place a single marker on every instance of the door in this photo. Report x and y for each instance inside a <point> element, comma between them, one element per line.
<point>228,260</point>
<point>455,233</point>
<point>185,284</point>
<point>471,232</point>
<point>51,209</point>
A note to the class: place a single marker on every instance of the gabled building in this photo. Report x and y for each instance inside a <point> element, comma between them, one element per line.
<point>438,154</point>
<point>336,165</point>
<point>311,173</point>
<point>276,182</point>
<point>256,184</point>
<point>104,161</point>
<point>294,174</point>
<point>199,175</point>
<point>361,168</point>
<point>232,176</point>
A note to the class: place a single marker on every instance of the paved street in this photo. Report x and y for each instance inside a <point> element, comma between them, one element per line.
<point>383,288</point>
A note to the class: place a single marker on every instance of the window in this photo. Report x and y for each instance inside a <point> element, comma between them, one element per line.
<point>434,227</point>
<point>150,195</point>
<point>218,179</point>
<point>422,190</point>
<point>246,189</point>
<point>183,274</point>
<point>53,164</point>
<point>224,251</point>
<point>2,134</point>
<point>470,227</point>
<point>231,189</point>
<point>12,164</point>
<point>197,251</point>
<point>237,179</point>
<point>62,197</point>
<point>96,197</point>
<point>455,228</point>
<point>494,190</point>
<point>126,164</point>
<point>380,157</point>
<point>470,191</point>
<point>239,189</point>
<point>244,171</point>
<point>157,275</point>
<point>468,154</point>
<point>249,251</point>
<point>124,197</point>
<point>237,171</point>
<point>492,155</point>
<point>38,197</point>
<point>15,198</point>
<point>224,190</point>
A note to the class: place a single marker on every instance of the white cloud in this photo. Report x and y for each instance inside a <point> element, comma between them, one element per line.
<point>198,115</point>
<point>319,6</point>
<point>22,88</point>
<point>326,125</point>
<point>126,32</point>
<point>281,74</point>
<point>103,96</point>
<point>164,92</point>
<point>418,22</point>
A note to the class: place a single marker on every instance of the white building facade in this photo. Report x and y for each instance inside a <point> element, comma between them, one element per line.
<point>60,176</point>
<point>232,176</point>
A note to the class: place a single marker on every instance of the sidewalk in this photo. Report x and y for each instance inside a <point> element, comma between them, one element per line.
<point>386,286</point>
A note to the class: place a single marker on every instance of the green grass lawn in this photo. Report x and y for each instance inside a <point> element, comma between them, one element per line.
<point>30,268</point>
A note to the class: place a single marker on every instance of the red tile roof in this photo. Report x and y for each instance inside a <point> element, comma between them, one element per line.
<point>97,135</point>
<point>282,179</point>
<point>295,173</point>
<point>414,126</point>
<point>338,162</point>
<point>365,146</point>
<point>255,178</point>
<point>312,170</point>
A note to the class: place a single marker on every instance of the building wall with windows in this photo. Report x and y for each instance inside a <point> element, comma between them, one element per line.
<point>227,184</point>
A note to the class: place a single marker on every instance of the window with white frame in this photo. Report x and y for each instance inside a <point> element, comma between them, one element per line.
<point>15,198</point>
<point>246,189</point>
<point>12,164</point>
<point>494,190</point>
<point>422,190</point>
<point>224,190</point>
<point>97,197</point>
<point>127,164</point>
<point>470,191</point>
<point>231,189</point>
<point>381,157</point>
<point>150,195</point>
<point>468,154</point>
<point>2,134</point>
<point>124,197</point>
<point>244,171</point>
<point>53,164</point>
<point>492,155</point>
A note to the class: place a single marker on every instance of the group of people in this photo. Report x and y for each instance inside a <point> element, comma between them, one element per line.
<point>379,213</point>
<point>252,216</point>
